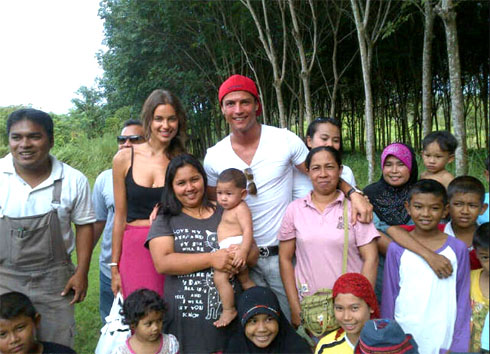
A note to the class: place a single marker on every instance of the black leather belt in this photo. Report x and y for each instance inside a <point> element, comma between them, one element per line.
<point>265,252</point>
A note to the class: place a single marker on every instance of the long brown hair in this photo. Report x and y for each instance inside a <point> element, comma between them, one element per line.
<point>156,98</point>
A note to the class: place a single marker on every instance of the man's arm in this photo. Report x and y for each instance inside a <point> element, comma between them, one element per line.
<point>84,245</point>
<point>98,230</point>
<point>361,209</point>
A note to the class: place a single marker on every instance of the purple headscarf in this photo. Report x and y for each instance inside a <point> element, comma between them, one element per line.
<point>400,151</point>
<point>388,201</point>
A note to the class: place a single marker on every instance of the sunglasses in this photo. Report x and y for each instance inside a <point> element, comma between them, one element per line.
<point>121,139</point>
<point>251,187</point>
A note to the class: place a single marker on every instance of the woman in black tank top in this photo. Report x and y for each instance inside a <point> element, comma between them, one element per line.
<point>139,177</point>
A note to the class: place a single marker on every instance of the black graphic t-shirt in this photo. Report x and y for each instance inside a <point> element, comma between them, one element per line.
<point>192,299</point>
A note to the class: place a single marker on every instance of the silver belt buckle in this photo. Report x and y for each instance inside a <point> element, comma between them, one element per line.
<point>264,252</point>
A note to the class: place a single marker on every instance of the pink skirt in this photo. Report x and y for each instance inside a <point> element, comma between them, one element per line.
<point>136,266</point>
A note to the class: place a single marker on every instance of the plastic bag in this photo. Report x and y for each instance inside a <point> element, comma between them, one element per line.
<point>115,332</point>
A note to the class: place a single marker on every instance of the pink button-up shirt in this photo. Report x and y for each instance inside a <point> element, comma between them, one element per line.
<point>320,242</point>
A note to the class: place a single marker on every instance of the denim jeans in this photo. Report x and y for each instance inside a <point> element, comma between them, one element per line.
<point>106,297</point>
<point>266,273</point>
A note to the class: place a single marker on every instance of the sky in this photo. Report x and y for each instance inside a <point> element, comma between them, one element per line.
<point>48,51</point>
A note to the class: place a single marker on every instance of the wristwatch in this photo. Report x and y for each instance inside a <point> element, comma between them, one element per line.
<point>354,190</point>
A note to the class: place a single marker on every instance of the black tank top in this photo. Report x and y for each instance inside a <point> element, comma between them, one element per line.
<point>141,200</point>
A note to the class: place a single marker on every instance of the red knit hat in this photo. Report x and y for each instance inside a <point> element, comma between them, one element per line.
<point>357,285</point>
<point>239,83</point>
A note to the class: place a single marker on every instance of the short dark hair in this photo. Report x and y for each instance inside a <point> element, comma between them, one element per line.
<point>335,153</point>
<point>313,127</point>
<point>481,239</point>
<point>428,186</point>
<point>34,115</point>
<point>130,122</point>
<point>466,184</point>
<point>487,163</point>
<point>445,140</point>
<point>139,304</point>
<point>233,175</point>
<point>170,204</point>
<point>15,304</point>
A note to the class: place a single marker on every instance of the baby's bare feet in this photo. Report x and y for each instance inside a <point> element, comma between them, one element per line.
<point>225,318</point>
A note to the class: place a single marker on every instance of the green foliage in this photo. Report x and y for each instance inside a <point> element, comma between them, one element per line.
<point>4,113</point>
<point>91,156</point>
<point>114,123</point>
<point>88,111</point>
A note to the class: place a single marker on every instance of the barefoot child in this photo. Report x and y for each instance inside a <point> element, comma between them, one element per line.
<point>19,322</point>
<point>235,228</point>
<point>435,311</point>
<point>480,285</point>
<point>143,311</point>
<point>354,304</point>
<point>466,202</point>
<point>438,151</point>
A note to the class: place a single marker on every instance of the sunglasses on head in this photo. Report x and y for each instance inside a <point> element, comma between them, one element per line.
<point>252,188</point>
<point>121,139</point>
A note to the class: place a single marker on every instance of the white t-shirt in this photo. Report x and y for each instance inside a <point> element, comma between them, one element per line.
<point>302,183</point>
<point>18,199</point>
<point>278,152</point>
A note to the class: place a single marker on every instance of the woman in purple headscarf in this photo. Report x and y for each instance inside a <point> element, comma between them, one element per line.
<point>388,195</point>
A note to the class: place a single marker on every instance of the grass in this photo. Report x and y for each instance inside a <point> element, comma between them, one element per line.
<point>87,313</point>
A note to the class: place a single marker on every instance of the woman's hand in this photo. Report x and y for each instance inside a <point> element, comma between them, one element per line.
<point>115,281</point>
<point>295,318</point>
<point>223,260</point>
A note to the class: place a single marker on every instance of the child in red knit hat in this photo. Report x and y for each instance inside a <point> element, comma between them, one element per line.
<point>354,304</point>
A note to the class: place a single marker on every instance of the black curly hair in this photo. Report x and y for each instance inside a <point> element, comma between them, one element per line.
<point>139,304</point>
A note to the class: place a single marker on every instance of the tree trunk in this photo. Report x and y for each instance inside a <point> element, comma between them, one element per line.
<point>305,65</point>
<point>429,16</point>
<point>448,15</point>
<point>265,36</point>
<point>365,51</point>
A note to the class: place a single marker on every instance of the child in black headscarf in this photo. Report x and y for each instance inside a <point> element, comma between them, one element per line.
<point>265,329</point>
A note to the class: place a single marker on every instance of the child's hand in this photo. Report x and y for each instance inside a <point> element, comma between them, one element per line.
<point>440,265</point>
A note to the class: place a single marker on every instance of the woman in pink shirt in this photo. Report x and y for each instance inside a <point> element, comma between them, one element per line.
<point>313,230</point>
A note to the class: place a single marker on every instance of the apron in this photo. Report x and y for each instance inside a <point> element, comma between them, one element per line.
<point>34,261</point>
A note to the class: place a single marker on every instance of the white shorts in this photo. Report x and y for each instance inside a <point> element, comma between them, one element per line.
<point>233,240</point>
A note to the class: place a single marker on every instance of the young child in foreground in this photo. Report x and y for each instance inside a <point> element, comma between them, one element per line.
<point>235,230</point>
<point>354,304</point>
<point>438,151</point>
<point>466,202</point>
<point>435,311</point>
<point>480,285</point>
<point>19,322</point>
<point>143,311</point>
<point>383,336</point>
<point>485,216</point>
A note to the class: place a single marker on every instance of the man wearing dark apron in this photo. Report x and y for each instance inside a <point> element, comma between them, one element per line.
<point>40,197</point>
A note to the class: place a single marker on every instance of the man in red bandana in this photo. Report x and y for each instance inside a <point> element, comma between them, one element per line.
<point>267,155</point>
